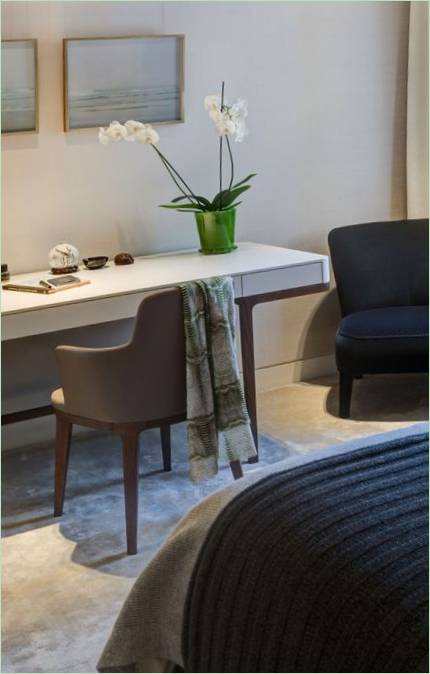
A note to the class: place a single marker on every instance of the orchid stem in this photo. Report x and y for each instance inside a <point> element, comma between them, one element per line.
<point>171,170</point>
<point>220,153</point>
<point>171,174</point>
<point>231,163</point>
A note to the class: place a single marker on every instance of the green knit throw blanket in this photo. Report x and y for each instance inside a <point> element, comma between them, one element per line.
<point>217,419</point>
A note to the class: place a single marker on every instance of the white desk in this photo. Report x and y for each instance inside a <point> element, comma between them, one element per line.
<point>261,274</point>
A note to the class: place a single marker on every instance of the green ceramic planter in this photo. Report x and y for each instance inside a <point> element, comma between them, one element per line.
<point>216,231</point>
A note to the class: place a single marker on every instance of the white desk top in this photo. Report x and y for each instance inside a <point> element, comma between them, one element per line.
<point>158,271</point>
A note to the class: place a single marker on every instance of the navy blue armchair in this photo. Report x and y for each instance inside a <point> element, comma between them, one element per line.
<point>381,271</point>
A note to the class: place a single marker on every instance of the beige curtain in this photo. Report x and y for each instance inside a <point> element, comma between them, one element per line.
<point>418,113</point>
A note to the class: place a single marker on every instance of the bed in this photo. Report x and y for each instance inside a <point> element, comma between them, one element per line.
<point>315,564</point>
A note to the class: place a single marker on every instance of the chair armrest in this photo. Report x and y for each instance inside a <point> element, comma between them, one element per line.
<point>94,380</point>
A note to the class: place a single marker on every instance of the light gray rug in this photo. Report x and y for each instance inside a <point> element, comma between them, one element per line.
<point>65,579</point>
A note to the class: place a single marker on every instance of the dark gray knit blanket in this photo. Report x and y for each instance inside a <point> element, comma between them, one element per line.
<point>320,568</point>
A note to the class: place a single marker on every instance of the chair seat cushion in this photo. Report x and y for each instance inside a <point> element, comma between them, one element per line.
<point>386,323</point>
<point>386,340</point>
<point>57,399</point>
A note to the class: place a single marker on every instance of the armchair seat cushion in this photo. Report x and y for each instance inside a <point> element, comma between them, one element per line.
<point>388,339</point>
<point>387,323</point>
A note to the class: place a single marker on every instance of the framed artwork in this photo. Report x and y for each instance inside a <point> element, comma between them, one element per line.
<point>121,78</point>
<point>19,92</point>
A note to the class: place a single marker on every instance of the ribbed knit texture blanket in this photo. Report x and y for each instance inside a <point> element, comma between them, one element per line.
<point>217,419</point>
<point>321,568</point>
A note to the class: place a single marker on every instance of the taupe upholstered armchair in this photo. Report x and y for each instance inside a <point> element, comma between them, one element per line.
<point>126,389</point>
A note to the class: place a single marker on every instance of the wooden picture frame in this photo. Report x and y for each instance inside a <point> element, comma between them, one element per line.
<point>20,88</point>
<point>93,89</point>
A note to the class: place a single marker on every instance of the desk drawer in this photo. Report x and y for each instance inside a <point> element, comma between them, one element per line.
<point>282,279</point>
<point>73,315</point>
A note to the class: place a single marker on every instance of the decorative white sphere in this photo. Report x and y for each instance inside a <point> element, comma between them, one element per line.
<point>63,255</point>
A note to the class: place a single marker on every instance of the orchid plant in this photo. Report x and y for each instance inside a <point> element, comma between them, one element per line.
<point>229,123</point>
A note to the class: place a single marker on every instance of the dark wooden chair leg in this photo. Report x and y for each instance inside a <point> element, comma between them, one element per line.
<point>345,393</point>
<point>236,469</point>
<point>62,451</point>
<point>130,454</point>
<point>166,447</point>
<point>248,364</point>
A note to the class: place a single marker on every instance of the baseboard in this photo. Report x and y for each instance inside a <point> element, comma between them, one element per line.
<point>277,376</point>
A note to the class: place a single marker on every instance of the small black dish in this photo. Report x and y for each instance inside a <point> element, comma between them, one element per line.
<point>95,262</point>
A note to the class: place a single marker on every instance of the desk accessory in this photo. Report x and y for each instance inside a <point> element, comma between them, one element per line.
<point>123,258</point>
<point>63,258</point>
<point>215,218</point>
<point>46,286</point>
<point>96,262</point>
<point>5,276</point>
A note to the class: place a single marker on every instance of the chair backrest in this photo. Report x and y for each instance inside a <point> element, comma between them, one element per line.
<point>158,353</point>
<point>380,264</point>
<point>141,381</point>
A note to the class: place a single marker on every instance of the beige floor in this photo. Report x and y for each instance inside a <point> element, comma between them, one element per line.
<point>65,580</point>
<point>305,414</point>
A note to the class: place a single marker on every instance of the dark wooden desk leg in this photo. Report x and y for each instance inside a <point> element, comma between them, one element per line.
<point>248,363</point>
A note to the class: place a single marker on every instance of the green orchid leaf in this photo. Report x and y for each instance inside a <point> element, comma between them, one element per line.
<point>232,206</point>
<point>227,197</point>
<point>177,207</point>
<point>217,197</point>
<point>183,209</point>
<point>245,180</point>
<point>202,200</point>
<point>181,198</point>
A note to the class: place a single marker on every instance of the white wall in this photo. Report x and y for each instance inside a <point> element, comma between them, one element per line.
<point>417,142</point>
<point>326,86</point>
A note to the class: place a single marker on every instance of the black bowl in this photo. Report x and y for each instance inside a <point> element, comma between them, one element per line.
<point>95,262</point>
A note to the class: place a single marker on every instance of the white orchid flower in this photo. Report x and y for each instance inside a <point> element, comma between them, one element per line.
<point>241,132</point>
<point>238,112</point>
<point>226,127</point>
<point>212,102</point>
<point>147,135</point>
<point>130,131</point>
<point>132,128</point>
<point>216,115</point>
<point>103,137</point>
<point>239,109</point>
<point>115,131</point>
<point>230,120</point>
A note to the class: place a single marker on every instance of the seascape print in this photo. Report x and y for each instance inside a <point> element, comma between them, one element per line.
<point>123,78</point>
<point>18,97</point>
